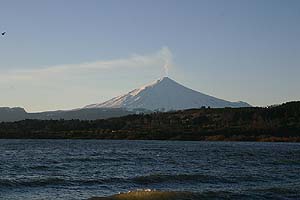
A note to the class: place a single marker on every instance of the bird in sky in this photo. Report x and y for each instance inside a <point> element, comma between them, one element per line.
<point>3,33</point>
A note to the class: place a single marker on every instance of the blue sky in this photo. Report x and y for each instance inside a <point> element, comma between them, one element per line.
<point>63,54</point>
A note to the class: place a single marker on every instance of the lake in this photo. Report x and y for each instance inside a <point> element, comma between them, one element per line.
<point>80,169</point>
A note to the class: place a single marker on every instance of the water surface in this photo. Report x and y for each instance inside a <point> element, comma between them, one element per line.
<point>80,169</point>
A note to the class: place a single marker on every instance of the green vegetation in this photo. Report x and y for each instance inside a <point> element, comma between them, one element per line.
<point>277,123</point>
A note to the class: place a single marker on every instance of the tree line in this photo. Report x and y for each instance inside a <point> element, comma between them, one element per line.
<point>276,123</point>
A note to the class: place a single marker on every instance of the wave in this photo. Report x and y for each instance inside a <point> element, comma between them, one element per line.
<point>31,182</point>
<point>198,178</point>
<point>287,190</point>
<point>160,178</point>
<point>94,159</point>
<point>167,195</point>
<point>147,195</point>
<point>38,182</point>
<point>138,180</point>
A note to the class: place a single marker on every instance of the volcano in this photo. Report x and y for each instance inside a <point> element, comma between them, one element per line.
<point>165,95</point>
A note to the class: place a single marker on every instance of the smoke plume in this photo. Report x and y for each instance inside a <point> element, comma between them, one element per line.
<point>167,58</point>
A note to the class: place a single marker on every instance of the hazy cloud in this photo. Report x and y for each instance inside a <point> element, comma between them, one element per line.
<point>159,59</point>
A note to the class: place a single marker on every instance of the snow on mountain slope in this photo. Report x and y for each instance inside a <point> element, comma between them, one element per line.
<point>166,94</point>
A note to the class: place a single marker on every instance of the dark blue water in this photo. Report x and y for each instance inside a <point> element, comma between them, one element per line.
<point>79,169</point>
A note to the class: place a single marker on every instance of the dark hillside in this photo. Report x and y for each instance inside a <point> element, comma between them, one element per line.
<point>279,123</point>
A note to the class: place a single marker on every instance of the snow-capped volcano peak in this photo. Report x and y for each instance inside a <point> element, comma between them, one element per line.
<point>163,82</point>
<point>165,94</point>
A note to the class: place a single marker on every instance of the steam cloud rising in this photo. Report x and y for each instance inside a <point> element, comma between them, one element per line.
<point>167,57</point>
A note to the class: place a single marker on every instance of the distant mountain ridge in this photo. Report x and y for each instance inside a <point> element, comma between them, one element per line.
<point>17,114</point>
<point>12,114</point>
<point>166,94</point>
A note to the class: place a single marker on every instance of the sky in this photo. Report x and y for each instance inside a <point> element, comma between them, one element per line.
<point>64,54</point>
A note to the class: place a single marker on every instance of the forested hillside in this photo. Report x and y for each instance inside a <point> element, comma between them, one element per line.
<point>277,123</point>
